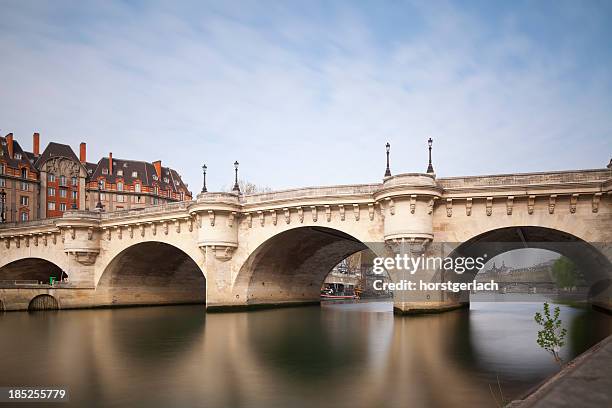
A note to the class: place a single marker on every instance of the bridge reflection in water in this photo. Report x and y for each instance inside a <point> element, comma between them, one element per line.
<point>356,355</point>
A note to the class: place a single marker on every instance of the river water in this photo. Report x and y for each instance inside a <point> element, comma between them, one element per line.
<point>336,355</point>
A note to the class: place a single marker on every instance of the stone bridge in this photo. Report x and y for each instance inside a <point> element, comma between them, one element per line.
<point>271,249</point>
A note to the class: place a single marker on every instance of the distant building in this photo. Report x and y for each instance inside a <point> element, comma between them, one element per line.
<point>45,185</point>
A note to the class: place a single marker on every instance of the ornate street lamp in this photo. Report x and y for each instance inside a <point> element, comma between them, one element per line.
<point>388,170</point>
<point>236,186</point>
<point>2,206</point>
<point>430,168</point>
<point>204,190</point>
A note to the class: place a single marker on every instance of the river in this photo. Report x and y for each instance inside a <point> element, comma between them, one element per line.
<point>336,355</point>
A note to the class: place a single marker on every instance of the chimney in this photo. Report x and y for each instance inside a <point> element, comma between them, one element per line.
<point>9,144</point>
<point>157,165</point>
<point>110,163</point>
<point>36,144</point>
<point>83,152</point>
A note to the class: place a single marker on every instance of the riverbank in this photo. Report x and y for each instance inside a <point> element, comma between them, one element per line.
<point>584,382</point>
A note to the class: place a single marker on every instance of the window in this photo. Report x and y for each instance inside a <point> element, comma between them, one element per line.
<point>62,180</point>
<point>105,171</point>
<point>63,193</point>
<point>165,179</point>
<point>100,184</point>
<point>120,198</point>
<point>51,206</point>
<point>24,173</point>
<point>24,186</point>
<point>17,156</point>
<point>24,216</point>
<point>74,195</point>
<point>75,181</point>
<point>119,186</point>
<point>154,177</point>
<point>155,200</point>
<point>24,200</point>
<point>62,206</point>
<point>2,182</point>
<point>51,192</point>
<point>135,174</point>
<point>1,168</point>
<point>156,190</point>
<point>120,173</point>
<point>102,196</point>
<point>137,188</point>
<point>51,177</point>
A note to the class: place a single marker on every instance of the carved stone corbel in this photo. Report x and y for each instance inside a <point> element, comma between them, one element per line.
<point>90,232</point>
<point>165,227</point>
<point>430,206</point>
<point>190,224</point>
<point>391,205</point>
<point>509,205</point>
<point>72,232</point>
<point>142,230</point>
<point>328,213</point>
<point>211,217</point>
<point>573,202</point>
<point>551,203</point>
<point>530,204</point>
<point>341,210</point>
<point>249,218</point>
<point>413,199</point>
<point>131,231</point>
<point>119,232</point>
<point>468,206</point>
<point>595,203</point>
<point>356,211</point>
<point>177,226</point>
<point>313,212</point>
<point>35,240</point>
<point>54,239</point>
<point>17,242</point>
<point>274,218</point>
<point>300,212</point>
<point>153,228</point>
<point>489,206</point>
<point>287,215</point>
<point>44,237</point>
<point>7,243</point>
<point>371,211</point>
<point>27,241</point>
<point>108,233</point>
<point>262,218</point>
<point>449,207</point>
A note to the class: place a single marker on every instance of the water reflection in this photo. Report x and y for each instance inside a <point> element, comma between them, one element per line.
<point>356,355</point>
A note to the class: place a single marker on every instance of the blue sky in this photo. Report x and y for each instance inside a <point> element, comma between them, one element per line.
<point>307,93</point>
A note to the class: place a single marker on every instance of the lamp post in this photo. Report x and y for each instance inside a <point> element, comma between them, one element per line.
<point>388,170</point>
<point>236,186</point>
<point>430,168</point>
<point>204,190</point>
<point>3,206</point>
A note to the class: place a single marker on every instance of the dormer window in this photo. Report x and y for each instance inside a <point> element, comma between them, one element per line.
<point>135,174</point>
<point>105,171</point>
<point>165,179</point>
<point>101,184</point>
<point>120,173</point>
<point>17,156</point>
<point>137,188</point>
<point>154,177</point>
<point>119,186</point>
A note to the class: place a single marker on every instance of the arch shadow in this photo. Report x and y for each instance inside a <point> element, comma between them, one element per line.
<point>151,273</point>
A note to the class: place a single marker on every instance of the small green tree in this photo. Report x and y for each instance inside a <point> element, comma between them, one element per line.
<point>564,272</point>
<point>551,337</point>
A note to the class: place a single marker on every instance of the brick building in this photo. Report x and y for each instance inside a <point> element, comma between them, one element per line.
<point>43,185</point>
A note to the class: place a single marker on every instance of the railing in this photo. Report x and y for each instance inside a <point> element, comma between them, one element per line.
<point>30,283</point>
<point>308,192</point>
<point>154,209</point>
<point>33,223</point>
<point>550,177</point>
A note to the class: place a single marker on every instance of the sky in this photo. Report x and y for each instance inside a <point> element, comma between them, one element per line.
<point>306,93</point>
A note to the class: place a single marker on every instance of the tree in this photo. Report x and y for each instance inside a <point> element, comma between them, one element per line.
<point>564,272</point>
<point>246,187</point>
<point>551,337</point>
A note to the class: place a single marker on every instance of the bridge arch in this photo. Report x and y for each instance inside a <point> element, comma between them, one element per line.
<point>292,265</point>
<point>593,259</point>
<point>151,272</point>
<point>43,302</point>
<point>31,269</point>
